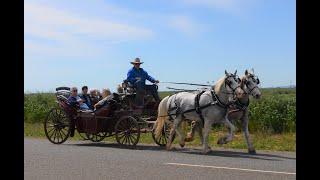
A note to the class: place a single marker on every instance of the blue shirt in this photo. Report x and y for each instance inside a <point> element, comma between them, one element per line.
<point>73,101</point>
<point>86,99</point>
<point>133,73</point>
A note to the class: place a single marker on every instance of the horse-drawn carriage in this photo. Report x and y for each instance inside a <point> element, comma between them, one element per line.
<point>118,118</point>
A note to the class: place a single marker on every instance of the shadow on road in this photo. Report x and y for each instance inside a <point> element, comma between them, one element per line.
<point>220,153</point>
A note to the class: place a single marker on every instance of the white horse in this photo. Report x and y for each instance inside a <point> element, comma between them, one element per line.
<point>212,108</point>
<point>249,84</point>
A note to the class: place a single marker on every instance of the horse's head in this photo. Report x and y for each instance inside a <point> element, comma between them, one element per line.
<point>249,84</point>
<point>232,84</point>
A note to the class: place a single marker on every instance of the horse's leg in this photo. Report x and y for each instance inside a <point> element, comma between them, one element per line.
<point>180,133</point>
<point>207,129</point>
<point>245,122</point>
<point>199,128</point>
<point>175,124</point>
<point>190,134</point>
<point>230,135</point>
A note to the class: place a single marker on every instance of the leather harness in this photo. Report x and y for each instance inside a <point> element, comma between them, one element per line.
<point>198,108</point>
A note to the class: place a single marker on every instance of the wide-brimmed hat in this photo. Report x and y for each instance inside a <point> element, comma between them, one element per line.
<point>136,61</point>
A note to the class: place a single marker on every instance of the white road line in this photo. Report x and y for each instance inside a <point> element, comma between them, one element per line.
<point>239,169</point>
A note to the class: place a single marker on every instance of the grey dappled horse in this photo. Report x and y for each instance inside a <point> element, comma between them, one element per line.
<point>225,91</point>
<point>249,84</point>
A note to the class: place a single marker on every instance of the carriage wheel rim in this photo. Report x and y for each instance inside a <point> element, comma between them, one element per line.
<point>124,132</point>
<point>55,124</point>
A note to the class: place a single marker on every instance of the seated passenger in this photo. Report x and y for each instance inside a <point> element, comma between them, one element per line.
<point>106,95</point>
<point>75,101</point>
<point>85,97</point>
<point>93,96</point>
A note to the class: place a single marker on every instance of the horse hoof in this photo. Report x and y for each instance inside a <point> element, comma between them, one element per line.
<point>206,151</point>
<point>253,152</point>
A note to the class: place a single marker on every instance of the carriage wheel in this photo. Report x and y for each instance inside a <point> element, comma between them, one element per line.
<point>163,139</point>
<point>57,126</point>
<point>127,131</point>
<point>96,137</point>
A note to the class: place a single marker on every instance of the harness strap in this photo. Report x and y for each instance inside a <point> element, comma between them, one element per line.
<point>197,106</point>
<point>215,98</point>
<point>176,108</point>
<point>241,106</point>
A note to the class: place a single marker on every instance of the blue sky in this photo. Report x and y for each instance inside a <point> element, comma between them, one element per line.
<point>81,42</point>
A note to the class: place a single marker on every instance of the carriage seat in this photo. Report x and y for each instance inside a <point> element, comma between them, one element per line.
<point>63,94</point>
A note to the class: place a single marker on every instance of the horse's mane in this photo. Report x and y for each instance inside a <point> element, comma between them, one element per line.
<point>218,86</point>
<point>242,81</point>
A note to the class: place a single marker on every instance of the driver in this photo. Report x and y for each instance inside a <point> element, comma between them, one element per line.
<point>137,77</point>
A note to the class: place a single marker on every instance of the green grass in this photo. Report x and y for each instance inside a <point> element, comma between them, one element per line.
<point>261,141</point>
<point>274,113</point>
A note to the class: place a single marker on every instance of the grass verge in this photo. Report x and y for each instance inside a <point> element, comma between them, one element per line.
<point>261,141</point>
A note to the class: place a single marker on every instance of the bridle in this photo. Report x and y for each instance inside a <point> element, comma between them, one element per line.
<point>228,83</point>
<point>246,84</point>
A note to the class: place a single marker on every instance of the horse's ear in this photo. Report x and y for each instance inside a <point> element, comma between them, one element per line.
<point>235,72</point>
<point>246,73</point>
<point>225,71</point>
<point>252,70</point>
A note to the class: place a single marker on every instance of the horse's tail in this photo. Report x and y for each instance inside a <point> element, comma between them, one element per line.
<point>162,116</point>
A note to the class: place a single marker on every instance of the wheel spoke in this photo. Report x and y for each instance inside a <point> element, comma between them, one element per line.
<point>54,137</point>
<point>63,132</point>
<point>133,139</point>
<point>121,136</point>
<point>59,136</point>
<point>129,140</point>
<point>164,140</point>
<point>52,134</point>
<point>50,130</point>
<point>160,138</point>
<point>51,125</point>
<point>124,138</point>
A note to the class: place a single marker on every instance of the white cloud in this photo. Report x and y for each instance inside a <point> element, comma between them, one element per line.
<point>64,31</point>
<point>185,25</point>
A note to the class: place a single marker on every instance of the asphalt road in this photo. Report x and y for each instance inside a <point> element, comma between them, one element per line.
<point>89,161</point>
